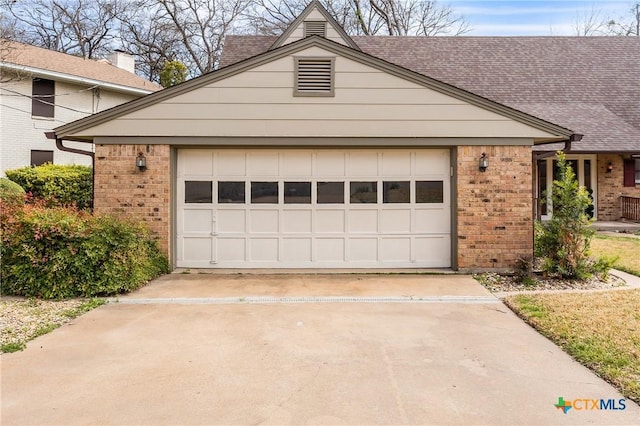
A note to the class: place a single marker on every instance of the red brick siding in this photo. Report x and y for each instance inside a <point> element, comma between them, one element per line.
<point>611,187</point>
<point>494,213</point>
<point>120,188</point>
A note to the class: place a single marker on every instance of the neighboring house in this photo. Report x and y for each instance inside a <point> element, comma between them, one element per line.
<point>41,89</point>
<point>315,149</point>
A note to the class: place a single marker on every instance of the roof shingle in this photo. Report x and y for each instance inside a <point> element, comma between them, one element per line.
<point>49,60</point>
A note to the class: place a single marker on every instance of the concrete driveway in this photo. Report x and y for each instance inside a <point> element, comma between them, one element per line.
<point>243,349</point>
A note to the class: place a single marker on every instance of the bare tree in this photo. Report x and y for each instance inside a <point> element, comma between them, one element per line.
<point>365,17</point>
<point>589,23</point>
<point>628,25</point>
<point>78,27</point>
<point>189,31</point>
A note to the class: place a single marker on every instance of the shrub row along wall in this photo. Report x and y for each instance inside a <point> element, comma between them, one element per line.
<point>60,252</point>
<point>66,185</point>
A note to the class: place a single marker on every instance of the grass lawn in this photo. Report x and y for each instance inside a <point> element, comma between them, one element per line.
<point>626,249</point>
<point>600,330</point>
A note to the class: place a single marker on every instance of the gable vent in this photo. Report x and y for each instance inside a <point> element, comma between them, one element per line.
<point>318,28</point>
<point>314,77</point>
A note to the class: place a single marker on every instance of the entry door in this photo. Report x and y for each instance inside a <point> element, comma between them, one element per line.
<point>585,167</point>
<point>313,208</point>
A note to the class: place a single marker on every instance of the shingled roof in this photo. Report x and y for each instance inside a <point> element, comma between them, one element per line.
<point>587,84</point>
<point>48,60</point>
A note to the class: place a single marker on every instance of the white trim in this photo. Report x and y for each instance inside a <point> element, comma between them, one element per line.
<point>60,76</point>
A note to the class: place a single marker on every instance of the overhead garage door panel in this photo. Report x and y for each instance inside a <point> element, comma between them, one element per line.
<point>313,208</point>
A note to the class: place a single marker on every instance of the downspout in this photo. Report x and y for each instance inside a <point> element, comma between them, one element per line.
<point>61,147</point>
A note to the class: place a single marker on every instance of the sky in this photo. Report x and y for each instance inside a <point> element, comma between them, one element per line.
<point>540,18</point>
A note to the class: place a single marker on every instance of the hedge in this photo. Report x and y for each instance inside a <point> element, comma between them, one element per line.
<point>58,184</point>
<point>60,252</point>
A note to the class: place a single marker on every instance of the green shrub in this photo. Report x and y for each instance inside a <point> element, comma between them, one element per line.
<point>11,192</point>
<point>563,242</point>
<point>58,184</point>
<point>60,252</point>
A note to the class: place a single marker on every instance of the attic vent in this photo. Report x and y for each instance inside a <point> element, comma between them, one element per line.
<point>318,28</point>
<point>314,77</point>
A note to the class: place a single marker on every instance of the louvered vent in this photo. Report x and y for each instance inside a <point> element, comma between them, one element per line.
<point>318,28</point>
<point>314,76</point>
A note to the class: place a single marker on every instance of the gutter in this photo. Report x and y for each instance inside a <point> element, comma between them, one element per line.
<point>61,147</point>
<point>60,76</point>
<point>575,137</point>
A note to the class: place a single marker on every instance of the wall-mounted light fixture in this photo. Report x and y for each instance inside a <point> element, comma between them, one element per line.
<point>483,164</point>
<point>141,162</point>
<point>609,167</point>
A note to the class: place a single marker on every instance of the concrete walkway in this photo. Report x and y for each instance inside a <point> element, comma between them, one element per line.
<point>156,362</point>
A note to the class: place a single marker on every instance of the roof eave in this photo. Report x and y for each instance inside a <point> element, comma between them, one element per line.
<point>69,78</point>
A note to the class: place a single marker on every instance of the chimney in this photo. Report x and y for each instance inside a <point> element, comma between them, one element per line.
<point>122,60</point>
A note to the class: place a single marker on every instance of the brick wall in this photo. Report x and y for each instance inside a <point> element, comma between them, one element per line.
<point>495,226</point>
<point>121,188</point>
<point>611,187</point>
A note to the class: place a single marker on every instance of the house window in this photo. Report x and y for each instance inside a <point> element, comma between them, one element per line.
<point>396,192</point>
<point>231,192</point>
<point>297,192</point>
<point>313,77</point>
<point>429,191</point>
<point>196,191</point>
<point>364,192</point>
<point>330,192</point>
<point>631,172</point>
<point>318,28</point>
<point>39,158</point>
<point>264,192</point>
<point>43,98</point>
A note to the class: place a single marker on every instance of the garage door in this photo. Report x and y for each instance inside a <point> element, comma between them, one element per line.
<point>313,208</point>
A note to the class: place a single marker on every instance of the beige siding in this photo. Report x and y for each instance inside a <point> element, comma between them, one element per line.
<point>367,103</point>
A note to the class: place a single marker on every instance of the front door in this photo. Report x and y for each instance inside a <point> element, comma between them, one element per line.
<point>585,168</point>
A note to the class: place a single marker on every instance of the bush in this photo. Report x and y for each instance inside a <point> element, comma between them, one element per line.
<point>563,242</point>
<point>11,192</point>
<point>60,252</point>
<point>58,184</point>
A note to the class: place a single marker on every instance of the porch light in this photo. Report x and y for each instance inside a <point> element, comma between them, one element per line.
<point>483,164</point>
<point>609,167</point>
<point>141,162</point>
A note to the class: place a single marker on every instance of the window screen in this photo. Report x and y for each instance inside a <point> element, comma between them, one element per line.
<point>43,100</point>
<point>41,157</point>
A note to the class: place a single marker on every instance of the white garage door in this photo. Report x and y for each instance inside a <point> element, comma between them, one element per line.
<point>313,208</point>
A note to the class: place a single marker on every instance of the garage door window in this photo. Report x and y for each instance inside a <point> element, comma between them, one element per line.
<point>297,192</point>
<point>429,191</point>
<point>396,192</point>
<point>330,193</point>
<point>231,192</point>
<point>264,192</point>
<point>364,192</point>
<point>197,191</point>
